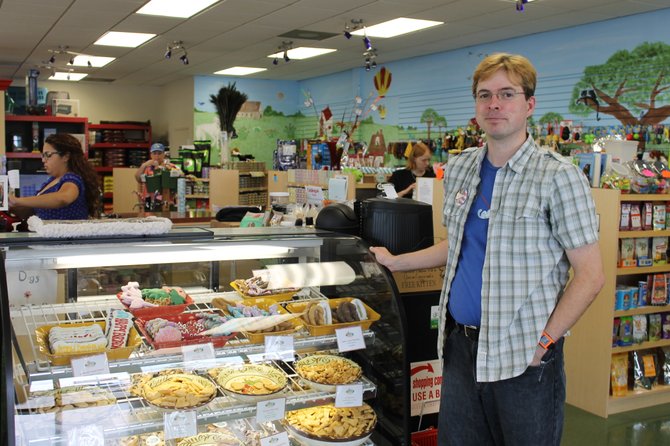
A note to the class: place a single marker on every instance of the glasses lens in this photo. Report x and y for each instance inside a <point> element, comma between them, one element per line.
<point>47,155</point>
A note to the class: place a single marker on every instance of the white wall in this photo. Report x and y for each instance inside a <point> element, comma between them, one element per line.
<point>177,110</point>
<point>105,102</point>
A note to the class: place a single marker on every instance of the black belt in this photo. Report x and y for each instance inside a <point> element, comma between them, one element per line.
<point>470,331</point>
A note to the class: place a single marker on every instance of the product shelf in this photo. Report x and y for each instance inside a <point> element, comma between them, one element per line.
<point>642,346</point>
<point>638,399</point>
<point>650,309</point>
<point>642,234</point>
<point>642,270</point>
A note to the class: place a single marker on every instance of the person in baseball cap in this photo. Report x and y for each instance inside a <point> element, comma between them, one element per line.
<point>157,158</point>
<point>157,147</point>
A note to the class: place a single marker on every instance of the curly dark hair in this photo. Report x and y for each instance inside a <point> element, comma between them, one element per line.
<point>66,144</point>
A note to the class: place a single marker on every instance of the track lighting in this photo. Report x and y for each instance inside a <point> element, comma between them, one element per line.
<point>374,64</point>
<point>347,34</point>
<point>282,50</point>
<point>370,58</point>
<point>353,25</point>
<point>367,43</point>
<point>52,59</point>
<point>89,64</point>
<point>286,58</point>
<point>71,62</point>
<point>275,61</point>
<point>177,46</point>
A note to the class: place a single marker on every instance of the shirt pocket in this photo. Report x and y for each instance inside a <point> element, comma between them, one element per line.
<point>522,220</point>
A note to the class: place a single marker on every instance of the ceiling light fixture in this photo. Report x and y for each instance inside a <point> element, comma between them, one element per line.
<point>177,46</point>
<point>184,59</point>
<point>353,25</point>
<point>275,61</point>
<point>79,59</point>
<point>286,58</point>
<point>175,8</point>
<point>396,27</point>
<point>303,52</point>
<point>520,4</point>
<point>67,76</point>
<point>123,39</point>
<point>240,71</point>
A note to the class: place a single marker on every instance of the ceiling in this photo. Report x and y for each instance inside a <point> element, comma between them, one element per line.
<point>244,32</point>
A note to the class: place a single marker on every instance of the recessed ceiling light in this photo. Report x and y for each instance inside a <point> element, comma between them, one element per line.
<point>62,76</point>
<point>303,52</point>
<point>396,27</point>
<point>83,60</point>
<point>175,8</point>
<point>130,40</point>
<point>240,71</point>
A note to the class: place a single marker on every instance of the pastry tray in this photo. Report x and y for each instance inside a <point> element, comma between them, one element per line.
<point>217,341</point>
<point>321,330</point>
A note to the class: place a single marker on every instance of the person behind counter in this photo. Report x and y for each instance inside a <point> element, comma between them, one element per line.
<point>71,192</point>
<point>418,165</point>
<point>157,154</point>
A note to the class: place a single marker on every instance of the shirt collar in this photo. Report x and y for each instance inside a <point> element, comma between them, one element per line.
<point>519,160</point>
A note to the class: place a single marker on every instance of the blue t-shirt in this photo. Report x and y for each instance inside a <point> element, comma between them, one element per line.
<point>465,296</point>
<point>77,210</point>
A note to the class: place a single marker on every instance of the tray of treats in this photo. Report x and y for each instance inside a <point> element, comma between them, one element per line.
<point>74,404</point>
<point>323,317</point>
<point>182,329</point>
<point>116,337</point>
<point>257,287</point>
<point>326,425</point>
<point>250,382</point>
<point>148,439</point>
<point>325,372</point>
<point>210,439</point>
<point>179,391</point>
<point>153,302</point>
<point>259,306</point>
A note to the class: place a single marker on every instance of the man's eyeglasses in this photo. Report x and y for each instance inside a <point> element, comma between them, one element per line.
<point>47,155</point>
<point>504,95</point>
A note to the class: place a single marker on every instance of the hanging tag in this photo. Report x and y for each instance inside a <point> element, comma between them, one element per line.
<point>270,410</point>
<point>434,316</point>
<point>280,439</point>
<point>349,395</point>
<point>279,347</point>
<point>179,424</point>
<point>90,365</point>
<point>350,338</point>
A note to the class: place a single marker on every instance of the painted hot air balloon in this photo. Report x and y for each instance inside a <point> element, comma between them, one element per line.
<point>382,81</point>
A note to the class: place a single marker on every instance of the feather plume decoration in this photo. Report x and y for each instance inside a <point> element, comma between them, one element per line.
<point>228,103</point>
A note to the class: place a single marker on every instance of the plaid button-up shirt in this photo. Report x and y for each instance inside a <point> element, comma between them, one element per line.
<point>541,206</point>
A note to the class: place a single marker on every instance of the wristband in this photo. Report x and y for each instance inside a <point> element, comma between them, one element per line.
<point>546,341</point>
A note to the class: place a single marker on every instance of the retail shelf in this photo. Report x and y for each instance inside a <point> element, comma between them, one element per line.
<point>117,127</point>
<point>253,189</point>
<point>205,196</point>
<point>624,198</point>
<point>641,234</point>
<point>642,346</point>
<point>639,399</point>
<point>642,270</point>
<point>119,145</point>
<point>23,155</point>
<point>104,169</point>
<point>643,310</point>
<point>45,118</point>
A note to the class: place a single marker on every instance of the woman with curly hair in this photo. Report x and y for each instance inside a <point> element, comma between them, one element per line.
<point>71,192</point>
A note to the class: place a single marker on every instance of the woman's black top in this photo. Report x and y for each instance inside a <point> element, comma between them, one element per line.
<point>403,178</point>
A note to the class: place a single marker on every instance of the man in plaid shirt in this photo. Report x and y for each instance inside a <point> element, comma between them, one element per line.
<point>517,218</point>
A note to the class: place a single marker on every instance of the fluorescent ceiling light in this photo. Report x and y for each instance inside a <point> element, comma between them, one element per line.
<point>96,61</point>
<point>396,27</point>
<point>61,76</point>
<point>240,71</point>
<point>303,52</point>
<point>175,8</point>
<point>129,40</point>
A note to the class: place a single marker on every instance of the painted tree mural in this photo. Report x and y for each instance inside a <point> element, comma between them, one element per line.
<point>632,86</point>
<point>428,117</point>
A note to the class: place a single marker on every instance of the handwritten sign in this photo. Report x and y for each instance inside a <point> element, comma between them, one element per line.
<point>27,287</point>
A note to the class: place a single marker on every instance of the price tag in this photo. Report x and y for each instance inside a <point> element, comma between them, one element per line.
<point>350,338</point>
<point>198,352</point>
<point>434,316</point>
<point>179,424</point>
<point>90,365</point>
<point>349,395</point>
<point>279,347</point>
<point>270,410</point>
<point>280,439</point>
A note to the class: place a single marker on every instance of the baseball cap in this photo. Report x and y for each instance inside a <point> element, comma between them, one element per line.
<point>157,147</point>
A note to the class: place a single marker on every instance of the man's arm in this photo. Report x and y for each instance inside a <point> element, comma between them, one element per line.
<point>587,281</point>
<point>430,257</point>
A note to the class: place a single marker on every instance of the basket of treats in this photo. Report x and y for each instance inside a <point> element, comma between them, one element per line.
<point>257,287</point>
<point>183,329</point>
<point>179,391</point>
<point>329,425</point>
<point>323,317</point>
<point>153,302</point>
<point>326,372</point>
<point>255,308</point>
<point>251,382</point>
<point>116,337</point>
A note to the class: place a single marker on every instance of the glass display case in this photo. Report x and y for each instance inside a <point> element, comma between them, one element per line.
<point>151,388</point>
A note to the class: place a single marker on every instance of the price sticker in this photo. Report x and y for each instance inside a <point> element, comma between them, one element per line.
<point>279,347</point>
<point>90,365</point>
<point>179,424</point>
<point>350,338</point>
<point>198,352</point>
<point>280,439</point>
<point>270,410</point>
<point>349,395</point>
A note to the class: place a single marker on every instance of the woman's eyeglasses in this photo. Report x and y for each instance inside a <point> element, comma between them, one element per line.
<point>47,155</point>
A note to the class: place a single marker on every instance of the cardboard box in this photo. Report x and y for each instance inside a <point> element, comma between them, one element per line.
<point>66,107</point>
<point>419,280</point>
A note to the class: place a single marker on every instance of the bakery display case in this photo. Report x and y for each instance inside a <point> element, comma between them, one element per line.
<point>226,336</point>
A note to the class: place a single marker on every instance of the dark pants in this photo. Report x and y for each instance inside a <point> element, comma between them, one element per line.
<point>524,410</point>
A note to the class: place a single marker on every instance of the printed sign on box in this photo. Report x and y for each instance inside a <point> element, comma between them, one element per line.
<point>425,383</point>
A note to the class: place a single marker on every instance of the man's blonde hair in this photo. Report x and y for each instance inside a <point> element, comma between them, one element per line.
<point>518,68</point>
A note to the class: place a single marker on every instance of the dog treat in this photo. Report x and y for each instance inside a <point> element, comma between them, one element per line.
<point>119,323</point>
<point>331,422</point>
<point>68,340</point>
